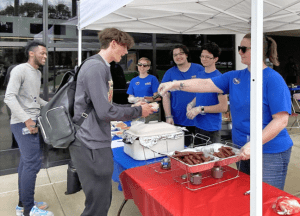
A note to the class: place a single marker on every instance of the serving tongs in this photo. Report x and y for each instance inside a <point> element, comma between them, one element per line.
<point>156,96</point>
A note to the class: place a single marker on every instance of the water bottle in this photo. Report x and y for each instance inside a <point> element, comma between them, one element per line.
<point>25,131</point>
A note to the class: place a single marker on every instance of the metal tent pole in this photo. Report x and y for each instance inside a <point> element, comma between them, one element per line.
<point>256,107</point>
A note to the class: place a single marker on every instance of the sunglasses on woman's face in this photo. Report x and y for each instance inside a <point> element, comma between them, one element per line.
<point>243,48</point>
<point>142,65</point>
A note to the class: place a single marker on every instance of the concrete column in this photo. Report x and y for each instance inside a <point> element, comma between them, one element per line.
<point>154,54</point>
<point>16,8</point>
<point>74,7</point>
<point>239,65</point>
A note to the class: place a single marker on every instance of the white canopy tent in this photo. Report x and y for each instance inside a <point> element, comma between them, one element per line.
<point>204,17</point>
<point>187,16</point>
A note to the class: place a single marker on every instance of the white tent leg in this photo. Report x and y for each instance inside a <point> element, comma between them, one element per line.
<point>79,46</point>
<point>79,35</point>
<point>256,108</point>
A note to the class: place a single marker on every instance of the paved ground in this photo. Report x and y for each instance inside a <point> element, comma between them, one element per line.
<point>51,187</point>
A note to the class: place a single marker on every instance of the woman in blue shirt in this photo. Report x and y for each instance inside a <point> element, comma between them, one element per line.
<point>276,109</point>
<point>144,85</point>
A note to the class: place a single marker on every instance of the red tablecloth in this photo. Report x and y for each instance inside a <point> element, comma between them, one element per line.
<point>158,194</point>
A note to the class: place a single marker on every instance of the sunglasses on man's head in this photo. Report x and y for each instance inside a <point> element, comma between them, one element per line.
<point>142,65</point>
<point>243,48</point>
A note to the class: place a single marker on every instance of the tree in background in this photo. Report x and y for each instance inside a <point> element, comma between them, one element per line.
<point>60,11</point>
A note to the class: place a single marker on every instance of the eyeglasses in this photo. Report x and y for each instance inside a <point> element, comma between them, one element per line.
<point>180,54</point>
<point>142,65</point>
<point>243,48</point>
<point>206,57</point>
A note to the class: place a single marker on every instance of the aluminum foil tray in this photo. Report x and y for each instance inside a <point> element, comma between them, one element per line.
<point>210,149</point>
<point>193,168</point>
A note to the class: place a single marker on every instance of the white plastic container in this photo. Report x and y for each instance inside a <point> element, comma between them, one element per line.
<point>167,137</point>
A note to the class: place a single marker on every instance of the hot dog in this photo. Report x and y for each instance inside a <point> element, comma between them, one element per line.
<point>191,158</point>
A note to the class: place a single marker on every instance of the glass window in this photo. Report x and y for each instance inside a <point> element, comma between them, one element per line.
<point>56,29</point>
<point>35,28</point>
<point>89,33</point>
<point>6,27</point>
<point>59,29</point>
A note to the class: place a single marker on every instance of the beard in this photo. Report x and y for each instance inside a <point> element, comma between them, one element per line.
<point>36,61</point>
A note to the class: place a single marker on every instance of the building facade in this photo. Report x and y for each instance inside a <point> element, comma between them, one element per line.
<point>24,20</point>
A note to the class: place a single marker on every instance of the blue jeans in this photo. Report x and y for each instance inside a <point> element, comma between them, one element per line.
<point>275,168</point>
<point>30,163</point>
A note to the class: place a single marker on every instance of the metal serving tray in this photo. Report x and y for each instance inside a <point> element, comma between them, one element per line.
<point>210,149</point>
<point>193,168</point>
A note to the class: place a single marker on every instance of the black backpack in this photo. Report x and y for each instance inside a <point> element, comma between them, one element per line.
<point>55,120</point>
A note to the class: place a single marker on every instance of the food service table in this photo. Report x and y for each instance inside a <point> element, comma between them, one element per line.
<point>296,88</point>
<point>293,90</point>
<point>123,162</point>
<point>158,194</point>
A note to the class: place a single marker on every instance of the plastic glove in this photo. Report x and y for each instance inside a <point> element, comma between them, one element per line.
<point>189,107</point>
<point>193,112</point>
<point>132,99</point>
<point>170,121</point>
<point>163,88</point>
<point>245,151</point>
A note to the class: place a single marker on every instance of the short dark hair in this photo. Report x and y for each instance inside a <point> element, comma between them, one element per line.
<point>31,45</point>
<point>109,34</point>
<point>180,46</point>
<point>212,48</point>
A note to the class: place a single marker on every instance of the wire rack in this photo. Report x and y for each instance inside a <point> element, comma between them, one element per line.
<point>205,173</point>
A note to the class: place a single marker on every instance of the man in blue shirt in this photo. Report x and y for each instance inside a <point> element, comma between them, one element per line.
<point>206,108</point>
<point>175,102</point>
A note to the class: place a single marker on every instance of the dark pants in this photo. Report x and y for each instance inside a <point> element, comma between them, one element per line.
<point>214,136</point>
<point>275,168</point>
<point>95,169</point>
<point>188,135</point>
<point>30,164</point>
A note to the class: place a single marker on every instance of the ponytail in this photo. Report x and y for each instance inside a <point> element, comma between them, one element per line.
<point>269,49</point>
<point>272,51</point>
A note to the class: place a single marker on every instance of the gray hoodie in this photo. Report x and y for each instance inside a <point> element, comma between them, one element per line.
<point>94,85</point>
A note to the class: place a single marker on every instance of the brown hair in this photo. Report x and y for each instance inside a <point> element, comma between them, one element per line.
<point>146,59</point>
<point>182,47</point>
<point>109,34</point>
<point>269,49</point>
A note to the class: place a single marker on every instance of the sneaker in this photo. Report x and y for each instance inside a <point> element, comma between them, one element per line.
<point>39,212</point>
<point>40,205</point>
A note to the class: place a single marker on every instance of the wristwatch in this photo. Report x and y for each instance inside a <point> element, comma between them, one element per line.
<point>202,110</point>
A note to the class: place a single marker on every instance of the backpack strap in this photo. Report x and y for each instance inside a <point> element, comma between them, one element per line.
<point>90,106</point>
<point>85,114</point>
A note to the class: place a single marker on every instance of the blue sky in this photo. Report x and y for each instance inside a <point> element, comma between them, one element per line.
<point>4,3</point>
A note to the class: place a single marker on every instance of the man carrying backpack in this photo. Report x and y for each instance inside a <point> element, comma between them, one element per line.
<point>22,97</point>
<point>91,151</point>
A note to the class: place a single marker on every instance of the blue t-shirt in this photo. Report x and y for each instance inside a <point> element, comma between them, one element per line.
<point>276,98</point>
<point>180,99</point>
<point>141,87</point>
<point>209,121</point>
